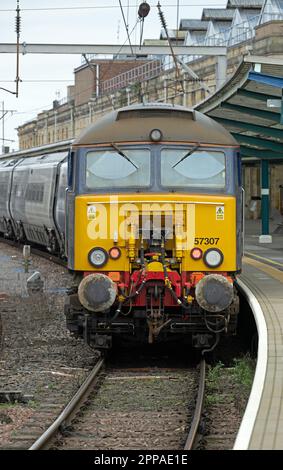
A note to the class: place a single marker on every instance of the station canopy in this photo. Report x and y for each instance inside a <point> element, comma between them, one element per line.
<point>250,106</point>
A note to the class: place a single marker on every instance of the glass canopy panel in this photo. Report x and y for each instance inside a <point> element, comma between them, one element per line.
<point>272,10</point>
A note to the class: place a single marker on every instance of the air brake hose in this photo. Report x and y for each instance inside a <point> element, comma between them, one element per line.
<point>117,312</point>
<point>124,298</point>
<point>209,325</point>
<point>167,280</point>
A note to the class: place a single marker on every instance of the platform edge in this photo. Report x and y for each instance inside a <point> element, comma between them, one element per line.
<point>248,421</point>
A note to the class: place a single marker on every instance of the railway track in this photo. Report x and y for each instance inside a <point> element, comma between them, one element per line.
<point>130,408</point>
<point>36,251</point>
<point>62,434</point>
<point>69,437</point>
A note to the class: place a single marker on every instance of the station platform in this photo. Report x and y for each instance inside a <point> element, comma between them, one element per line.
<point>262,279</point>
<point>269,253</point>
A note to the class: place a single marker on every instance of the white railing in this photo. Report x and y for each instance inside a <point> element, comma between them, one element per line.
<point>63,100</point>
<point>137,74</point>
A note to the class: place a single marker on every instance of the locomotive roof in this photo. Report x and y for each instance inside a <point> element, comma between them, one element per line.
<point>134,123</point>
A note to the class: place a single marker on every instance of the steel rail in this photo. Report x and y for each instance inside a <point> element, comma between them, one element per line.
<point>44,254</point>
<point>198,409</point>
<point>35,251</point>
<point>80,395</point>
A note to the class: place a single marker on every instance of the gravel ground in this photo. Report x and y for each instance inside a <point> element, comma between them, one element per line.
<point>38,356</point>
<point>146,409</point>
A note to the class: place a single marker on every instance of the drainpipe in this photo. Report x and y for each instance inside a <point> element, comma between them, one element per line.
<point>55,125</point>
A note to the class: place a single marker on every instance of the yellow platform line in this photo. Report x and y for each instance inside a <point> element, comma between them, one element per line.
<point>273,272</point>
<point>264,259</point>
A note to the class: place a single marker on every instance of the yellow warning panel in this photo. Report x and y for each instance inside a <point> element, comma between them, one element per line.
<point>220,211</point>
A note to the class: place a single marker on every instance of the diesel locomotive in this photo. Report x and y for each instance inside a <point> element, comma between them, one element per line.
<point>146,206</point>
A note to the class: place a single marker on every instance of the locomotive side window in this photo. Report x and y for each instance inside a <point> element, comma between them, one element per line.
<point>71,170</point>
<point>109,168</point>
<point>201,168</point>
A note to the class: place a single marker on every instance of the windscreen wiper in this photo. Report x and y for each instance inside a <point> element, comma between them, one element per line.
<point>123,154</point>
<point>187,154</point>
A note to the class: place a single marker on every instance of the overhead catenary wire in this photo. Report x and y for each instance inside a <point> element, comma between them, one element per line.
<point>164,25</point>
<point>63,80</point>
<point>39,109</point>
<point>18,30</point>
<point>118,53</point>
<point>126,26</point>
<point>46,81</point>
<point>93,69</point>
<point>84,90</point>
<point>39,81</point>
<point>105,7</point>
<point>192,80</point>
<point>177,21</point>
<point>57,8</point>
<point>108,69</point>
<point>8,91</point>
<point>76,94</point>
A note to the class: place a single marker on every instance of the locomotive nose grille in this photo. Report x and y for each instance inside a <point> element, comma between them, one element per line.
<point>156,226</point>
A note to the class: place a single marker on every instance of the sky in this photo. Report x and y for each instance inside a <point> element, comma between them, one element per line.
<point>45,78</point>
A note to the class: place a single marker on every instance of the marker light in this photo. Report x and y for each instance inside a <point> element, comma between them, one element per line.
<point>98,257</point>
<point>156,135</point>
<point>213,258</point>
<point>196,253</point>
<point>114,252</point>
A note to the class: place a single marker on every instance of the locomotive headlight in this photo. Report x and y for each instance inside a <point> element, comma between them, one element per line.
<point>156,135</point>
<point>213,258</point>
<point>98,257</point>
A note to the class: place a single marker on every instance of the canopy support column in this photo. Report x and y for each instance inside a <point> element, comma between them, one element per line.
<point>265,237</point>
<point>221,71</point>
